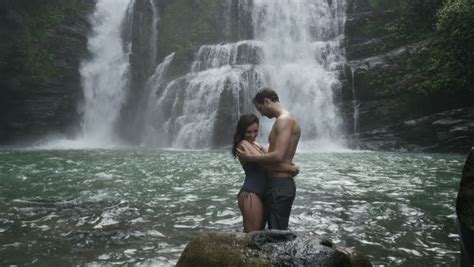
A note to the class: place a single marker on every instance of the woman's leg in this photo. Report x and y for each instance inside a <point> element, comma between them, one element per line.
<point>252,210</point>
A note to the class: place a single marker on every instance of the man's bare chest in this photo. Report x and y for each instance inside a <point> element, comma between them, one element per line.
<point>271,137</point>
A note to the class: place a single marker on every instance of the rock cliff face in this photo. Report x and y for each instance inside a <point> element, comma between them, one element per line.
<point>379,112</point>
<point>42,45</point>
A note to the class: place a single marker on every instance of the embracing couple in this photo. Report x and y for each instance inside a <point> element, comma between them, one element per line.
<point>269,189</point>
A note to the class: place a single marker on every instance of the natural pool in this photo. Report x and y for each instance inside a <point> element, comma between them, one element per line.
<point>98,207</point>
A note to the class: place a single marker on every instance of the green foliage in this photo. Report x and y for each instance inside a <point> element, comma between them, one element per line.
<point>381,5</point>
<point>446,64</point>
<point>442,65</point>
<point>40,23</point>
<point>415,18</point>
<point>455,31</point>
<point>395,23</point>
<point>33,38</point>
<point>418,17</point>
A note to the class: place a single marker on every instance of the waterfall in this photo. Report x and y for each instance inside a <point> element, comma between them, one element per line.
<point>295,49</point>
<point>302,56</point>
<point>187,109</point>
<point>153,86</point>
<point>105,75</point>
<point>355,103</point>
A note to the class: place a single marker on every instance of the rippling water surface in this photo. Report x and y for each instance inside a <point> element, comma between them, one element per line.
<point>96,207</point>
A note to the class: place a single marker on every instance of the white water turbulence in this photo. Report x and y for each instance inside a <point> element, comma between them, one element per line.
<point>296,50</point>
<point>105,75</point>
<point>152,110</point>
<point>187,108</point>
<point>302,57</point>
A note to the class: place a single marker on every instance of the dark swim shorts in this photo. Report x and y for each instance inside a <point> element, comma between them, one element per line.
<point>279,199</point>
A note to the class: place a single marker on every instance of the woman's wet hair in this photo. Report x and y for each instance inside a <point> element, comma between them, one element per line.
<point>242,125</point>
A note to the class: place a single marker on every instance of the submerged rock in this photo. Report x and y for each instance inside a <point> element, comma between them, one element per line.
<point>267,248</point>
<point>465,211</point>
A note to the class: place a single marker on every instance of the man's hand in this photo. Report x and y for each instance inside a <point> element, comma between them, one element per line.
<point>296,170</point>
<point>242,153</point>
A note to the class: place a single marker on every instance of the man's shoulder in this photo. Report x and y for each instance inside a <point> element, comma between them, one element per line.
<point>287,121</point>
<point>286,118</point>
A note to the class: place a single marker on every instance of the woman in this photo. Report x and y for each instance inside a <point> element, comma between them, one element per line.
<point>250,197</point>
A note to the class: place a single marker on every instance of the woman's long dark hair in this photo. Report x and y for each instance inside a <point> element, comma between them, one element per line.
<point>244,122</point>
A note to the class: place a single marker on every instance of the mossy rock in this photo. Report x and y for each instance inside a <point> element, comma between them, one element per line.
<point>267,248</point>
<point>465,200</point>
<point>185,24</point>
<point>34,28</point>
<point>220,249</point>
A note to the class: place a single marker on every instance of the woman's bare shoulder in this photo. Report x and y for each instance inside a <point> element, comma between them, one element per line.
<point>244,143</point>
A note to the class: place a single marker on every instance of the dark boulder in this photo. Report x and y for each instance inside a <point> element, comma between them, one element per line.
<point>267,248</point>
<point>465,211</point>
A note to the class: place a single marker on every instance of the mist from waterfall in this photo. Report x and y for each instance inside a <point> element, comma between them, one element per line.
<point>105,75</point>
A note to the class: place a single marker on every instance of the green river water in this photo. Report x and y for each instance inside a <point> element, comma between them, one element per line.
<point>105,207</point>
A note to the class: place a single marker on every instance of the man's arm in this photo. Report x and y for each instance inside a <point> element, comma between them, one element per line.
<point>285,167</point>
<point>263,149</point>
<point>251,150</point>
<point>281,143</point>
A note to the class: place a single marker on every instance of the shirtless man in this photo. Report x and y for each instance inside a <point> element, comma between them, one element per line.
<point>283,141</point>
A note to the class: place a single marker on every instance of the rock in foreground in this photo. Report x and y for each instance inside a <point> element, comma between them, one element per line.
<point>266,248</point>
<point>465,211</point>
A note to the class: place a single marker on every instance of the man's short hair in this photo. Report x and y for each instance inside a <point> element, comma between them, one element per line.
<point>265,92</point>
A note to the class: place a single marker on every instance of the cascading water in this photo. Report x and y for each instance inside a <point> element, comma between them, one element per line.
<point>105,76</point>
<point>296,51</point>
<point>302,56</point>
<point>292,46</point>
<point>155,83</point>
<point>355,103</point>
<point>188,107</point>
